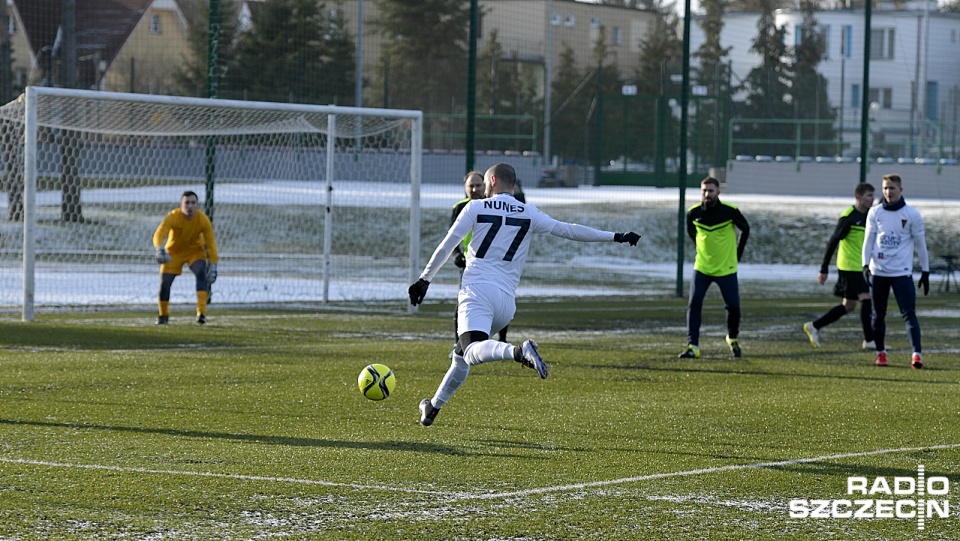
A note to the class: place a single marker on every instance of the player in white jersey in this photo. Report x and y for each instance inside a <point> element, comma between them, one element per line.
<point>894,230</point>
<point>501,227</point>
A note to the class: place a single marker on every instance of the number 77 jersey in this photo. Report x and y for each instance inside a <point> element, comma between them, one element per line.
<point>502,229</point>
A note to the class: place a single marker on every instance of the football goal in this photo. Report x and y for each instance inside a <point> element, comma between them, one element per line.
<point>310,204</point>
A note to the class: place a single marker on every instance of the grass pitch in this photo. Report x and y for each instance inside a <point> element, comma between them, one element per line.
<point>253,427</point>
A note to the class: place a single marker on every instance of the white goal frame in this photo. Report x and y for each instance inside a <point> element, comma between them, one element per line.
<point>33,123</point>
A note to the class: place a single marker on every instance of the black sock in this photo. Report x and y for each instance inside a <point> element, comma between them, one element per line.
<point>832,315</point>
<point>866,318</point>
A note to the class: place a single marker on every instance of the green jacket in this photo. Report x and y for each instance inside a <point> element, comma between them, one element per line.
<point>714,232</point>
<point>848,235</point>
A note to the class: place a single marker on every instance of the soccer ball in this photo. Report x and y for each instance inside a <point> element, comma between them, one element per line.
<point>376,381</point>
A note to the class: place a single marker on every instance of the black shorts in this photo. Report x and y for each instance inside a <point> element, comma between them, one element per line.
<point>850,284</point>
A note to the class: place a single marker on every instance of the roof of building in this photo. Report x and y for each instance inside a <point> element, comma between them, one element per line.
<point>102,26</point>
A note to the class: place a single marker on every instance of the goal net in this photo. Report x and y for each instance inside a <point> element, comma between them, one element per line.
<point>310,204</point>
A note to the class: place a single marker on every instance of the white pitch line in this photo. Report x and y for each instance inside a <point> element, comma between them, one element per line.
<point>239,477</point>
<point>732,467</point>
<point>487,496</point>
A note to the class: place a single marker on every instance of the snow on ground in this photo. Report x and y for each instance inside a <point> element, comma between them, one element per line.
<point>137,285</point>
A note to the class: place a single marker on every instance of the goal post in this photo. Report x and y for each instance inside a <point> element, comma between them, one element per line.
<point>314,204</point>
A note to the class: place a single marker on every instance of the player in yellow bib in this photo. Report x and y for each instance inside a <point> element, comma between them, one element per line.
<point>712,225</point>
<point>473,188</point>
<point>851,286</point>
<point>185,236</point>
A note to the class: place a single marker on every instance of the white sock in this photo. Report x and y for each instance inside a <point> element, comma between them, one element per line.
<point>452,380</point>
<point>488,350</point>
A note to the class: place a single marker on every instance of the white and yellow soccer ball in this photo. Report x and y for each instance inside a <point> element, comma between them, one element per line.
<point>376,381</point>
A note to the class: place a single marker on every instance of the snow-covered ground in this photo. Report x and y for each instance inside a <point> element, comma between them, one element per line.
<point>135,283</point>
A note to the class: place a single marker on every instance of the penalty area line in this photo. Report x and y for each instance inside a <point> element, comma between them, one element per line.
<point>453,497</point>
<point>238,477</point>
<point>701,471</point>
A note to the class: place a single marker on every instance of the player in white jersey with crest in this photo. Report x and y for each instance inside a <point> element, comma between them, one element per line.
<point>502,227</point>
<point>894,230</point>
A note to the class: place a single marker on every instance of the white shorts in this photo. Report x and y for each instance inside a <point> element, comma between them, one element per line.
<point>485,308</point>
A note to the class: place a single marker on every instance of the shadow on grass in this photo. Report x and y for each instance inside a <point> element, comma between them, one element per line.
<point>856,470</point>
<point>418,447</point>
<point>33,335</point>
<point>754,372</point>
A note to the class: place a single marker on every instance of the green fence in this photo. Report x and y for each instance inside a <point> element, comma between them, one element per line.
<point>493,132</point>
<point>638,139</point>
<point>800,140</point>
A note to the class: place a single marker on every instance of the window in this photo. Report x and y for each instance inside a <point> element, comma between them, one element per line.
<point>12,26</point>
<point>154,24</point>
<point>822,31</point>
<point>933,92</point>
<point>594,22</point>
<point>882,96</point>
<point>570,21</point>
<point>855,96</point>
<point>846,41</point>
<point>555,19</point>
<point>617,36</point>
<point>881,43</point>
<point>825,39</point>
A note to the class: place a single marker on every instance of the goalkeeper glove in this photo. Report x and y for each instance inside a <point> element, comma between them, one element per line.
<point>162,255</point>
<point>924,282</point>
<point>629,237</point>
<point>418,291</point>
<point>460,260</point>
<point>866,275</point>
<point>211,273</point>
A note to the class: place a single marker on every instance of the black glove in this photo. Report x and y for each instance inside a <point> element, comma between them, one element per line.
<point>629,237</point>
<point>866,275</point>
<point>460,260</point>
<point>924,283</point>
<point>418,291</point>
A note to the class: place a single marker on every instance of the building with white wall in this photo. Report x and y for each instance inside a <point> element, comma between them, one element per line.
<point>910,49</point>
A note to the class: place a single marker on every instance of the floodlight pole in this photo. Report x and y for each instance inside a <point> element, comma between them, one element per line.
<point>865,99</point>
<point>358,66</point>
<point>548,88</point>
<point>682,167</point>
<point>472,86</point>
<point>213,41</point>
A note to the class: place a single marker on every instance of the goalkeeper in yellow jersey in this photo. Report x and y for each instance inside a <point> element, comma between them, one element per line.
<point>185,236</point>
